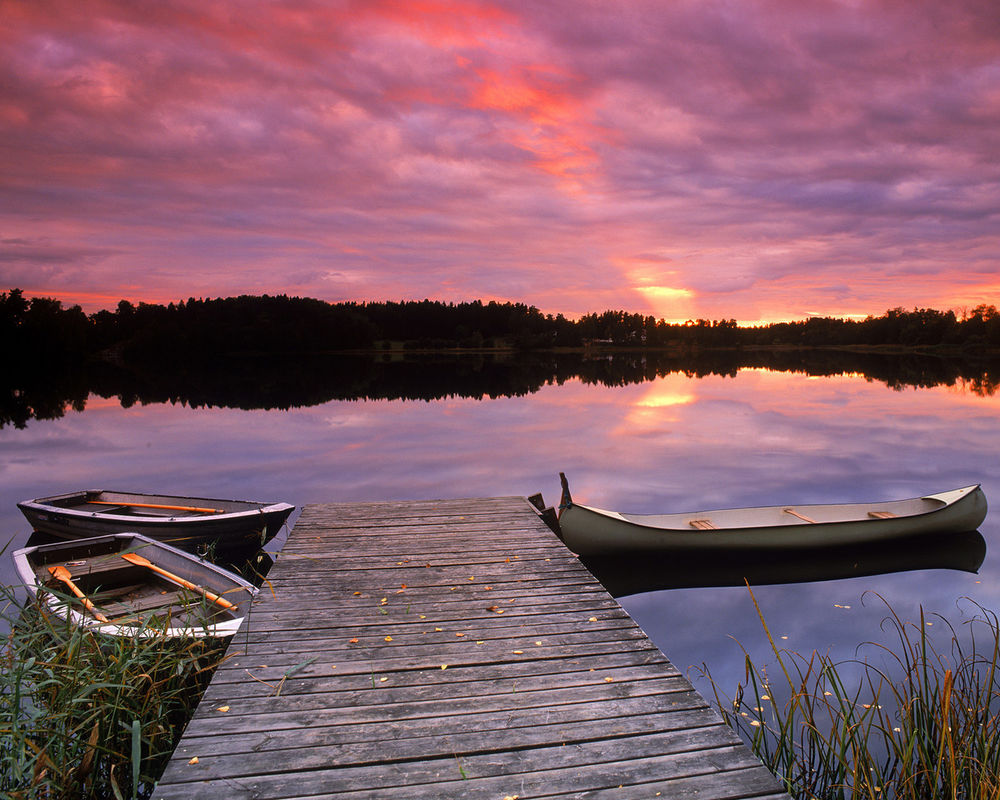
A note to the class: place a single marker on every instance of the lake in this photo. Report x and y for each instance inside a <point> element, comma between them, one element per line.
<point>654,440</point>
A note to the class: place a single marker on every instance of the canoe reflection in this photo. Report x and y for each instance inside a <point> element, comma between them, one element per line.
<point>647,572</point>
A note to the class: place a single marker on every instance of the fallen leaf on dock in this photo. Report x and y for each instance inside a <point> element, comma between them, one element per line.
<point>353,641</point>
<point>592,619</point>
<point>357,594</point>
<point>382,680</point>
<point>518,652</point>
<point>223,709</point>
<point>609,679</point>
<point>388,638</point>
<point>193,760</point>
<point>444,666</point>
<point>460,634</point>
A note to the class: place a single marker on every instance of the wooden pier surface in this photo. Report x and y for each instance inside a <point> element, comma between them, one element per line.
<point>448,649</point>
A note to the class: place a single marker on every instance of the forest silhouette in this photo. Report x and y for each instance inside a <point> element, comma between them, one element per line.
<point>284,352</point>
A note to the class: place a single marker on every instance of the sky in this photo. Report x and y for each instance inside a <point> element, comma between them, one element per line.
<point>748,159</point>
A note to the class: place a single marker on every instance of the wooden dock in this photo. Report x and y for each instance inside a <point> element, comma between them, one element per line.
<point>448,649</point>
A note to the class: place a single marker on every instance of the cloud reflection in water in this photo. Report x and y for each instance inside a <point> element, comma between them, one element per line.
<point>677,443</point>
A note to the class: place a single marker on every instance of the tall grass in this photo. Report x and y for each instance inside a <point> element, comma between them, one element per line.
<point>84,715</point>
<point>922,723</point>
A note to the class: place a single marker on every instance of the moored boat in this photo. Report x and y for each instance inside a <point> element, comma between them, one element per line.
<point>186,522</point>
<point>587,530</point>
<point>126,583</point>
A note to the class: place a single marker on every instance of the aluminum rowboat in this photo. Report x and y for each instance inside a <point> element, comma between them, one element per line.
<point>186,522</point>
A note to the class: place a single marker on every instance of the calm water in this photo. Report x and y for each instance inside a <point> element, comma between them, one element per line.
<point>674,443</point>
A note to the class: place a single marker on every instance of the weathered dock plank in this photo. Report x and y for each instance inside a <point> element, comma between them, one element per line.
<point>448,649</point>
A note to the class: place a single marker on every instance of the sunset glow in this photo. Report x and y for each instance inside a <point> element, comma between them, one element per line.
<point>755,160</point>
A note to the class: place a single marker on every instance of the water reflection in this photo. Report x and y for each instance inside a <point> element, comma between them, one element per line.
<point>312,381</point>
<point>625,575</point>
<point>644,438</point>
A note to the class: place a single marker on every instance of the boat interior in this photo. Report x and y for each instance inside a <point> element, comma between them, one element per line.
<point>125,592</point>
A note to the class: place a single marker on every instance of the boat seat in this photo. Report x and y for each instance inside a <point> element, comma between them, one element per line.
<point>802,517</point>
<point>702,524</point>
<point>881,514</point>
<point>167,600</point>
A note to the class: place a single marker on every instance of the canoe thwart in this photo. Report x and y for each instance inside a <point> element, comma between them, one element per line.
<point>802,517</point>
<point>881,514</point>
<point>702,524</point>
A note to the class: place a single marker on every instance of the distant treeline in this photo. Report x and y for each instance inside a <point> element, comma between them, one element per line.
<point>40,330</point>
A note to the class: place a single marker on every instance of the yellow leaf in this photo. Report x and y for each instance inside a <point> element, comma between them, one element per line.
<point>444,666</point>
<point>608,679</point>
<point>357,594</point>
<point>382,680</point>
<point>423,616</point>
<point>439,629</point>
<point>538,644</point>
<point>592,619</point>
<point>388,638</point>
<point>223,709</point>
<point>193,760</point>
<point>460,634</point>
<point>333,666</point>
<point>354,641</point>
<point>518,652</point>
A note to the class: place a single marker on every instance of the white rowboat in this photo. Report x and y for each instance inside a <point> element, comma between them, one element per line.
<point>587,531</point>
<point>93,583</point>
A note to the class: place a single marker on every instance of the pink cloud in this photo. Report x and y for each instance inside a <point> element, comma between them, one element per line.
<point>692,159</point>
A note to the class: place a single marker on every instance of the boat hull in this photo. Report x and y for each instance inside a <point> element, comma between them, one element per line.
<point>233,523</point>
<point>135,599</point>
<point>589,531</point>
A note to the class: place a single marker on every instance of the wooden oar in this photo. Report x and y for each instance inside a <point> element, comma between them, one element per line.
<point>135,558</point>
<point>157,505</point>
<point>60,573</point>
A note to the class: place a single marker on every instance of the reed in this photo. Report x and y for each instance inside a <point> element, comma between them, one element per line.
<point>921,722</point>
<point>84,715</point>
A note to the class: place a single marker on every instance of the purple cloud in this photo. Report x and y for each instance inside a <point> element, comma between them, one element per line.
<point>688,159</point>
